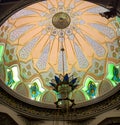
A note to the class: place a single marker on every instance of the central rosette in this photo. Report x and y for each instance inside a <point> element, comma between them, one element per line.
<point>61,20</point>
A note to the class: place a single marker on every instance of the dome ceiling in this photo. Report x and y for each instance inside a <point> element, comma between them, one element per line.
<point>30,49</point>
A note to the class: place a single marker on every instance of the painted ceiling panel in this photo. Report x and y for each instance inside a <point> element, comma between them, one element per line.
<point>31,42</point>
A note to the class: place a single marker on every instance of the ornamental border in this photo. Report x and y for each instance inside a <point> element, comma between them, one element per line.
<point>42,112</point>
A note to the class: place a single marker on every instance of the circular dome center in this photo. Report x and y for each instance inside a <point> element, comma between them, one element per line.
<point>61,20</point>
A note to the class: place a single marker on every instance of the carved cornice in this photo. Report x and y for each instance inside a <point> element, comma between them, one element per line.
<point>36,111</point>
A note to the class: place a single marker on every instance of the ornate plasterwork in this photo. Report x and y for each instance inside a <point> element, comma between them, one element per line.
<point>32,44</point>
<point>26,109</point>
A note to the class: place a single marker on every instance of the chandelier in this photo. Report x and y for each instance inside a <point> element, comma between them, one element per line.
<point>63,85</point>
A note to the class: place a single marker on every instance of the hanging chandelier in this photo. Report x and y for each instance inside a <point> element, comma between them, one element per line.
<point>63,86</point>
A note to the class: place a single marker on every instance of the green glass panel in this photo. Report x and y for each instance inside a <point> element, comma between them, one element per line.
<point>1,52</point>
<point>110,74</point>
<point>12,79</point>
<point>91,89</point>
<point>86,88</point>
<point>34,91</point>
<point>86,96</point>
<point>110,71</point>
<point>118,19</point>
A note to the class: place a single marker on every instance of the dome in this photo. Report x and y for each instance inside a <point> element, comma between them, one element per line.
<point>30,50</point>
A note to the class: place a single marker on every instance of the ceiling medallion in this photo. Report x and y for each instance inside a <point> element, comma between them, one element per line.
<point>61,20</point>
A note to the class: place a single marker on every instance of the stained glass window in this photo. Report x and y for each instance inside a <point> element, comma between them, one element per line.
<point>12,78</point>
<point>1,52</point>
<point>113,74</point>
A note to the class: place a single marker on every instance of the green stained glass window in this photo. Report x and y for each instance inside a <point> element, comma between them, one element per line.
<point>90,89</point>
<point>113,74</point>
<point>12,77</point>
<point>1,52</point>
<point>36,89</point>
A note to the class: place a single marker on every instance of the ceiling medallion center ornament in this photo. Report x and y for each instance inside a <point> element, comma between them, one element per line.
<point>61,20</point>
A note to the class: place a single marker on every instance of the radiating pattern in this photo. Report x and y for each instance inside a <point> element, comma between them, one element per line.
<point>60,63</point>
<point>81,58</point>
<point>30,50</point>
<point>99,50</point>
<point>41,24</point>
<point>109,32</point>
<point>97,10</point>
<point>26,50</point>
<point>42,61</point>
<point>36,20</point>
<point>23,13</point>
<point>18,32</point>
